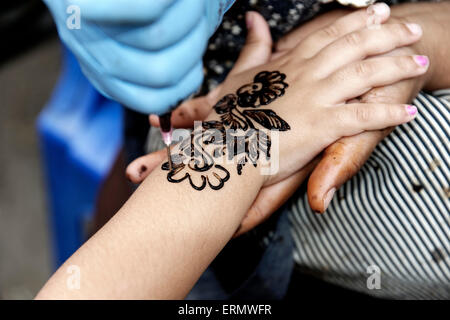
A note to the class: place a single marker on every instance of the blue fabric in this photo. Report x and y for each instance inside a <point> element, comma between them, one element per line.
<point>148,55</point>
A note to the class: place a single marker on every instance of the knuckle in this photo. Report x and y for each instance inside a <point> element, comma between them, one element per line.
<point>341,116</point>
<point>353,39</point>
<point>285,61</point>
<point>404,63</point>
<point>362,114</point>
<point>401,30</point>
<point>363,69</point>
<point>376,95</point>
<point>331,31</point>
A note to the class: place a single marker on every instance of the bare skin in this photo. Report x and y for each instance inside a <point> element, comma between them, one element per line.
<point>341,160</point>
<point>160,242</point>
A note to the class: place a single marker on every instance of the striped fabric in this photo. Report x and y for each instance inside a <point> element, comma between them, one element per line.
<point>394,214</point>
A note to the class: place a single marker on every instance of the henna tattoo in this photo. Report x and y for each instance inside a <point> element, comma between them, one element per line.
<point>238,113</point>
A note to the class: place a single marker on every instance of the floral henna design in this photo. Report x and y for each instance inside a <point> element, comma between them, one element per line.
<point>193,157</point>
<point>236,134</point>
<point>266,87</point>
<point>172,176</point>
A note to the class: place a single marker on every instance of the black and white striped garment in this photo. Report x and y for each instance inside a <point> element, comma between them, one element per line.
<point>394,214</point>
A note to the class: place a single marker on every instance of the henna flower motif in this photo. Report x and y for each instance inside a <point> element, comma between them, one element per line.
<point>196,158</point>
<point>226,104</point>
<point>198,175</point>
<point>266,87</point>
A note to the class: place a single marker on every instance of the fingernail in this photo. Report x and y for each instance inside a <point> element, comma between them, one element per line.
<point>249,20</point>
<point>412,110</point>
<point>421,60</point>
<point>414,28</point>
<point>328,198</point>
<point>379,9</point>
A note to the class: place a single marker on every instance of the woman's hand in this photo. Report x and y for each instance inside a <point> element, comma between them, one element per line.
<point>270,198</point>
<point>309,104</point>
<point>348,25</point>
<point>343,159</point>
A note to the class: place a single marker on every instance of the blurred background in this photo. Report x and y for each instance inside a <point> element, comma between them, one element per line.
<point>30,63</point>
<point>60,151</point>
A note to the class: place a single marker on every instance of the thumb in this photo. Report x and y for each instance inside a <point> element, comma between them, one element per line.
<point>258,46</point>
<point>340,162</point>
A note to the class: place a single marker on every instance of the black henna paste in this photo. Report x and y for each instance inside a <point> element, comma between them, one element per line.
<point>240,111</point>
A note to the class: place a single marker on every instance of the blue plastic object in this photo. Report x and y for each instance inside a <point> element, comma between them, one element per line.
<point>147,54</point>
<point>80,134</point>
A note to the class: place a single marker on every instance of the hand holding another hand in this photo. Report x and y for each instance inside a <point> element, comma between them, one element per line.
<point>320,83</point>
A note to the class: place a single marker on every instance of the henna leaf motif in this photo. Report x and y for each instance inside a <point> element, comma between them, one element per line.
<point>233,121</point>
<point>195,160</point>
<point>248,148</point>
<point>268,119</point>
<point>226,104</point>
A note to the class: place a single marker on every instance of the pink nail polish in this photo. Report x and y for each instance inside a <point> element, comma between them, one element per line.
<point>412,110</point>
<point>421,60</point>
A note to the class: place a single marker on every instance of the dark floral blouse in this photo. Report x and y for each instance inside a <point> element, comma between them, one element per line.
<point>281,15</point>
<point>226,44</point>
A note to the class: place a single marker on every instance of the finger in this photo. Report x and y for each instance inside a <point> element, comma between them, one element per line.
<point>293,38</point>
<point>403,91</point>
<point>355,118</point>
<point>359,77</point>
<point>345,157</point>
<point>196,109</point>
<point>154,120</point>
<point>120,11</point>
<point>340,161</point>
<point>258,46</point>
<point>364,43</point>
<point>377,13</point>
<point>140,168</point>
<point>272,197</point>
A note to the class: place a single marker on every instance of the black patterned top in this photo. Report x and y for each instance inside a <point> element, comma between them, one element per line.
<point>226,44</point>
<point>281,15</point>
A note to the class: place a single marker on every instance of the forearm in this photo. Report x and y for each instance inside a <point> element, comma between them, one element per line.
<point>160,242</point>
<point>435,21</point>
